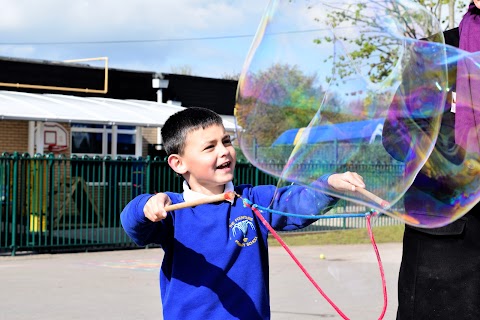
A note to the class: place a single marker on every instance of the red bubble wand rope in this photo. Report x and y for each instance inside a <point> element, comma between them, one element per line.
<point>255,209</point>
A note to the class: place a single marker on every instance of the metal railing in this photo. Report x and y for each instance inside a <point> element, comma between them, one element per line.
<point>50,203</point>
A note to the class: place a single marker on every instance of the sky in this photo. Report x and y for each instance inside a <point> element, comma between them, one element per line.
<point>209,38</point>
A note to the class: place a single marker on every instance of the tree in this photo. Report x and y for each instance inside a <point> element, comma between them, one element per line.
<point>448,20</point>
<point>380,53</point>
<point>183,69</point>
<point>276,99</point>
<point>367,37</point>
<point>230,76</point>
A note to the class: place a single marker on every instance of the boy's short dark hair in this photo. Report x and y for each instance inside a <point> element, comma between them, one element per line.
<point>178,125</point>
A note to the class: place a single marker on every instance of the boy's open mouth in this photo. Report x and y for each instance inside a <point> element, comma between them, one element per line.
<point>224,166</point>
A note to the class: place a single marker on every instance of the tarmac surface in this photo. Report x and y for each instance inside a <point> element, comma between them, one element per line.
<point>124,284</point>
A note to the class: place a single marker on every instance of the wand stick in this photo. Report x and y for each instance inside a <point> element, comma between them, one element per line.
<point>230,195</point>
<point>373,197</point>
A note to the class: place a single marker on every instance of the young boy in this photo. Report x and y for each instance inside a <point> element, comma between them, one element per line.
<point>216,255</point>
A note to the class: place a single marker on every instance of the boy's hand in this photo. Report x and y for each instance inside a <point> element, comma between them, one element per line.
<point>347,181</point>
<point>154,209</point>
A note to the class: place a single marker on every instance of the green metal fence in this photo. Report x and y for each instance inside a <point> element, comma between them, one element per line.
<point>56,203</point>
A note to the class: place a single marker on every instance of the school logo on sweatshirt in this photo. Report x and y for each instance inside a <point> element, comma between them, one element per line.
<point>239,229</point>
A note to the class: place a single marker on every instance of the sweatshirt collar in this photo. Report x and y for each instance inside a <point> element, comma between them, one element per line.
<point>189,195</point>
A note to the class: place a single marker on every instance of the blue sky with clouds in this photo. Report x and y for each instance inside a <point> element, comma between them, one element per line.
<point>212,38</point>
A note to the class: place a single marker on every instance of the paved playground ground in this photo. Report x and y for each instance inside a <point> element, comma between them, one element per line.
<point>124,284</point>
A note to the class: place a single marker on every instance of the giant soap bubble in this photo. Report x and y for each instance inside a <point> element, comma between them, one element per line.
<point>321,81</point>
<point>448,184</point>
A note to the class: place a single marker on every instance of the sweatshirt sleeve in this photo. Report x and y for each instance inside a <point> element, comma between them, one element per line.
<point>296,199</point>
<point>141,230</point>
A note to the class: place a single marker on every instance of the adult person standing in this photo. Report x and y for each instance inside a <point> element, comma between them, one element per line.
<point>439,275</point>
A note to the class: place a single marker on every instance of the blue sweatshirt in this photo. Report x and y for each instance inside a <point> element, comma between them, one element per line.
<point>216,255</point>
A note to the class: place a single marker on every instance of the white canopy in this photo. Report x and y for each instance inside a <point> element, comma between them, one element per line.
<point>65,108</point>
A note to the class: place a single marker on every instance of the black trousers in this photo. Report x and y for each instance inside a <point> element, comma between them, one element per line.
<point>440,272</point>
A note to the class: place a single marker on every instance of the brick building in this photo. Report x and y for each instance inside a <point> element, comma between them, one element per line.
<point>74,108</point>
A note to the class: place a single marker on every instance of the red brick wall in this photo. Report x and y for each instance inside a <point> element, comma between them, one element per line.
<point>13,136</point>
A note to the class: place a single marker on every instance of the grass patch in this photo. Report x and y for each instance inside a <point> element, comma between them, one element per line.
<point>353,236</point>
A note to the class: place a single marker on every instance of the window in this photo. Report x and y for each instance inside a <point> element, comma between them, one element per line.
<point>97,140</point>
<point>125,144</point>
<point>91,139</point>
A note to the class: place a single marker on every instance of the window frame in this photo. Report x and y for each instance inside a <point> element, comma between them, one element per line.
<point>105,131</point>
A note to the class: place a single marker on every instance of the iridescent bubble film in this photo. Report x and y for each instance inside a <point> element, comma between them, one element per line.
<point>330,86</point>
<point>448,184</point>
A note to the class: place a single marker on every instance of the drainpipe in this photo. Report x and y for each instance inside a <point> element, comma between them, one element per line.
<point>158,82</point>
<point>138,142</point>
<point>114,141</point>
<point>39,138</point>
<point>31,137</point>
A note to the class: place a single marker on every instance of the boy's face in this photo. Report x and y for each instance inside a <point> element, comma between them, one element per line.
<point>208,160</point>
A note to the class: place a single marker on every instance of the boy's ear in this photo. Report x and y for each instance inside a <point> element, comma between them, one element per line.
<point>175,162</point>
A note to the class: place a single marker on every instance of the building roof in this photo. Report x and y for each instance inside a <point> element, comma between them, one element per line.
<point>366,129</point>
<point>218,95</point>
<point>20,74</point>
<point>67,108</point>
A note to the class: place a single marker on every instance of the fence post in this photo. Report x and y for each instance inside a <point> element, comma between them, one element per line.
<point>14,204</point>
<point>148,162</point>
<point>50,198</point>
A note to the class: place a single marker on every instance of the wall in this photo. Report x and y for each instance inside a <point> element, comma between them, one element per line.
<point>13,136</point>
